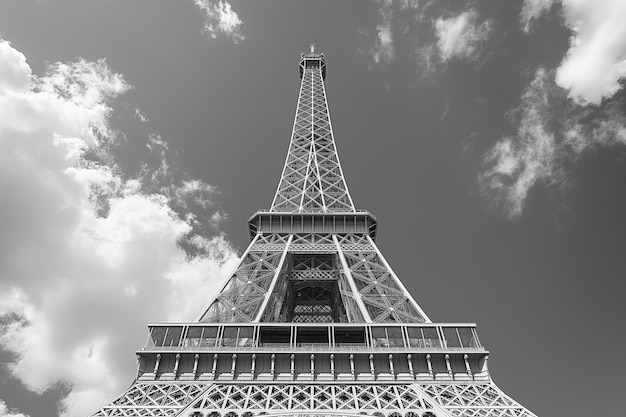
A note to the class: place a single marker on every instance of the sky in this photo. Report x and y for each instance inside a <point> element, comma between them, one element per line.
<point>137,138</point>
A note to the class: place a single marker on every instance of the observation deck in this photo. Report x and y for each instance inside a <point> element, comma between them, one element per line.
<point>362,352</point>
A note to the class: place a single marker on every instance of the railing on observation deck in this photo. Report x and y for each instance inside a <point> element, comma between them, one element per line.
<point>312,337</point>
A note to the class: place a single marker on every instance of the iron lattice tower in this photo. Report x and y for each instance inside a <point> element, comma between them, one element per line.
<point>313,321</point>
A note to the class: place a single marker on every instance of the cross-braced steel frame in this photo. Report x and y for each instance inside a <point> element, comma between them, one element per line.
<point>313,321</point>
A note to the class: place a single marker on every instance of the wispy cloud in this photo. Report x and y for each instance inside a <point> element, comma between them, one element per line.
<point>462,36</point>
<point>533,10</point>
<point>221,19</point>
<point>6,412</point>
<point>89,254</point>
<point>517,163</point>
<point>428,33</point>
<point>551,132</point>
<point>383,51</point>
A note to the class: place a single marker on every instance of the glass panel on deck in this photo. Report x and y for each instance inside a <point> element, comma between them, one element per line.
<point>157,336</point>
<point>192,339</point>
<point>172,338</point>
<point>312,336</point>
<point>379,337</point>
<point>416,339</point>
<point>245,336</point>
<point>431,338</point>
<point>274,336</point>
<point>394,336</point>
<point>452,338</point>
<point>209,336</point>
<point>230,336</point>
<point>349,336</point>
<point>467,337</point>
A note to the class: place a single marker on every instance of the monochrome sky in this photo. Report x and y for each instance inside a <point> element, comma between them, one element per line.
<point>136,139</point>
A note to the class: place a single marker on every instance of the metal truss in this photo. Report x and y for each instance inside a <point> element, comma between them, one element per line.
<point>369,289</point>
<point>380,400</point>
<point>376,400</point>
<point>475,400</point>
<point>312,179</point>
<point>313,259</point>
<point>152,400</point>
<point>246,290</point>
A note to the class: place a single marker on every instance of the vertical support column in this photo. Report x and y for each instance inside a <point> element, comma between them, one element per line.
<point>410,363</point>
<point>348,274</point>
<point>430,366</point>
<point>270,290</point>
<point>468,369</point>
<point>196,358</point>
<point>156,365</point>
<point>214,369</point>
<point>233,365</point>
<point>176,365</point>
<point>448,367</point>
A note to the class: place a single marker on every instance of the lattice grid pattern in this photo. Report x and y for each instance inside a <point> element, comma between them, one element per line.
<point>312,179</point>
<point>347,398</point>
<point>384,299</point>
<point>322,277</point>
<point>270,242</point>
<point>152,400</point>
<point>246,289</point>
<point>475,400</point>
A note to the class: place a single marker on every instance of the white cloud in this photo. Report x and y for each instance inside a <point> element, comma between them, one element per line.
<point>221,19</point>
<point>87,257</point>
<point>532,10</point>
<point>6,412</point>
<point>596,60</point>
<point>607,129</point>
<point>551,133</point>
<point>383,51</point>
<point>461,36</point>
<point>518,163</point>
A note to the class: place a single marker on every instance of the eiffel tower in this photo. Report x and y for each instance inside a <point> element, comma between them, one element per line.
<point>313,321</point>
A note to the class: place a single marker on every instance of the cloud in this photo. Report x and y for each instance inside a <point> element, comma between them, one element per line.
<point>418,31</point>
<point>383,51</point>
<point>518,162</point>
<point>596,60</point>
<point>6,412</point>
<point>532,10</point>
<point>461,36</point>
<point>88,254</point>
<point>594,66</point>
<point>551,134</point>
<point>221,19</point>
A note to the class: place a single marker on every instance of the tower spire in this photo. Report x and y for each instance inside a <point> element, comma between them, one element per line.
<point>312,179</point>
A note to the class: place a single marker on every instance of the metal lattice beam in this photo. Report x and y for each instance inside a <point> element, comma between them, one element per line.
<point>312,179</point>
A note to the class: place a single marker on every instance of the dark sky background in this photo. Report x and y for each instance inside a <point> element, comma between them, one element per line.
<point>545,287</point>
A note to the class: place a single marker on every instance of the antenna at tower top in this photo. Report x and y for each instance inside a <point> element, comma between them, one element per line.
<point>312,48</point>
